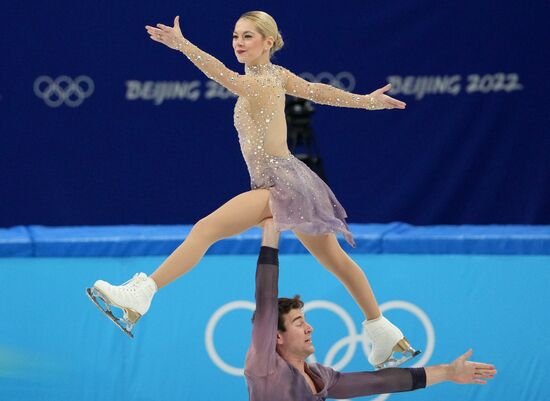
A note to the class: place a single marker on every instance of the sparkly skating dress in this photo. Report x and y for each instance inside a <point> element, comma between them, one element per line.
<point>299,199</point>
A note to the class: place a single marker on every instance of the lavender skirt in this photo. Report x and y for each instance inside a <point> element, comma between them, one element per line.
<point>301,201</point>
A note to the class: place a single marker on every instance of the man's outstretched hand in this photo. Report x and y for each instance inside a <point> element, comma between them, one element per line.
<point>462,371</point>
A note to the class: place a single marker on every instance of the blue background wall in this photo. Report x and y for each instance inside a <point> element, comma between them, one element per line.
<point>55,345</point>
<point>474,152</point>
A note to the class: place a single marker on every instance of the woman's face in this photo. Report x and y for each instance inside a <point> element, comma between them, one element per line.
<point>249,45</point>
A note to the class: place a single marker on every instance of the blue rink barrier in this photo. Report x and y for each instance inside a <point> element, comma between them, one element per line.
<point>392,238</point>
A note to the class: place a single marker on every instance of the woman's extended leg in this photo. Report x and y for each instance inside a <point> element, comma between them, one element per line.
<point>237,215</point>
<point>386,338</point>
<point>134,297</point>
<point>330,254</point>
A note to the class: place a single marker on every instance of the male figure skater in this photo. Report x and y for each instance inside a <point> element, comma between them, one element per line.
<point>276,369</point>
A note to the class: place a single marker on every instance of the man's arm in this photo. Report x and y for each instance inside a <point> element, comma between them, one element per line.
<point>270,236</point>
<point>390,380</point>
<point>394,380</point>
<point>261,356</point>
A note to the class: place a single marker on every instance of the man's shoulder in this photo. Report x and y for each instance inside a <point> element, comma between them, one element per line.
<point>260,372</point>
<point>323,371</point>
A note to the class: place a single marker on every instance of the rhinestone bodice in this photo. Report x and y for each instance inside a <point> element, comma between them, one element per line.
<point>260,122</point>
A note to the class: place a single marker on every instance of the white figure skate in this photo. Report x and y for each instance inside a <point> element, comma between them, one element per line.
<point>133,297</point>
<point>387,339</point>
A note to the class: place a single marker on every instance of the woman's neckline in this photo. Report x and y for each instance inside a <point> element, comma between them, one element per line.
<point>257,69</point>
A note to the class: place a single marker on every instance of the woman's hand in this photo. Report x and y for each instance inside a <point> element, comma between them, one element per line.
<point>169,36</point>
<point>384,101</point>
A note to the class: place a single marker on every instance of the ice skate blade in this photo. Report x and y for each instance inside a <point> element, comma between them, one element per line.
<point>404,348</point>
<point>93,294</point>
<point>130,317</point>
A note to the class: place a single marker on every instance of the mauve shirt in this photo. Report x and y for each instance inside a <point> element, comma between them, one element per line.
<point>270,378</point>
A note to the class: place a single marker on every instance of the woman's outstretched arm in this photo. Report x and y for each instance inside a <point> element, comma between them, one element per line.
<point>214,69</point>
<point>326,94</point>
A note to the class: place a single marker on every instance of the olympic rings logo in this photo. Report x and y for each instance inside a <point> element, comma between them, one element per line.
<point>350,341</point>
<point>343,80</point>
<point>63,90</point>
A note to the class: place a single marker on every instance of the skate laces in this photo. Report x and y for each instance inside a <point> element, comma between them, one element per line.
<point>134,282</point>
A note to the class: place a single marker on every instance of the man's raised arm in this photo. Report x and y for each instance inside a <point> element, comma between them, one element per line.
<point>261,356</point>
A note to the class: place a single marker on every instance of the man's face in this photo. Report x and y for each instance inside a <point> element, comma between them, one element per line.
<point>296,340</point>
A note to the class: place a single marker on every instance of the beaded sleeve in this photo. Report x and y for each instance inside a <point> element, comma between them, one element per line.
<point>326,94</point>
<point>214,69</point>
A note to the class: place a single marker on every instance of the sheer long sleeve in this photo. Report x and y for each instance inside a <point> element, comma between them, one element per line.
<point>391,380</point>
<point>241,85</point>
<point>261,356</point>
<point>326,94</point>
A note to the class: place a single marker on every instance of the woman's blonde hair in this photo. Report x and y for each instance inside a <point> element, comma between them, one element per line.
<point>267,27</point>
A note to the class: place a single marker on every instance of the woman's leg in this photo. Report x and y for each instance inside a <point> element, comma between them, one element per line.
<point>330,254</point>
<point>240,213</point>
<point>387,339</point>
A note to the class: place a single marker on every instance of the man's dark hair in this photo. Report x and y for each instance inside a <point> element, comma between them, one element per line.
<point>285,306</point>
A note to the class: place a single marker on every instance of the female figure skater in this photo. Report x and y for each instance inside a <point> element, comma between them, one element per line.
<point>282,186</point>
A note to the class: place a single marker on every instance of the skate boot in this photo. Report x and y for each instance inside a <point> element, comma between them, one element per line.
<point>387,340</point>
<point>133,297</point>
